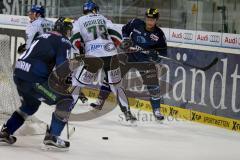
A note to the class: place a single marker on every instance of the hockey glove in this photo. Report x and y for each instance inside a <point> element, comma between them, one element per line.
<point>153,55</point>
<point>21,48</point>
<point>126,44</point>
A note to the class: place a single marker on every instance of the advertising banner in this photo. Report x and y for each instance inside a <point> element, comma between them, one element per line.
<point>183,36</point>
<point>14,20</point>
<point>208,38</point>
<point>214,91</point>
<point>231,40</point>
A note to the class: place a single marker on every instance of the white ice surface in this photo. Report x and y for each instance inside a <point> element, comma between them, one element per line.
<point>148,140</point>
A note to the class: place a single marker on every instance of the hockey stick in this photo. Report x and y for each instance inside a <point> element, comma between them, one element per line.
<point>67,130</point>
<point>205,68</point>
<point>70,132</point>
<point>214,61</point>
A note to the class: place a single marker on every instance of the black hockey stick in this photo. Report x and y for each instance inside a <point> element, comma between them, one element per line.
<point>70,131</point>
<point>205,68</point>
<point>67,125</point>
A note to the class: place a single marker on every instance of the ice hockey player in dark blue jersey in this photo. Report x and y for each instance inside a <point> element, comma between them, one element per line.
<point>143,35</point>
<point>31,77</point>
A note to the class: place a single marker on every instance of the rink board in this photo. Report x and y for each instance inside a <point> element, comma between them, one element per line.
<point>177,112</point>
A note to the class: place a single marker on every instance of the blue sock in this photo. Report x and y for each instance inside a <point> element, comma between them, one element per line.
<point>14,122</point>
<point>56,126</point>
<point>155,102</point>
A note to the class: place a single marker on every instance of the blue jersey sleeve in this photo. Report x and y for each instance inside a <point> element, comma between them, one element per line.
<point>128,28</point>
<point>62,51</point>
<point>162,44</point>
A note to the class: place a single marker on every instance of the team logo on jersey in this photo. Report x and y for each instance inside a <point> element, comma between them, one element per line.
<point>100,46</point>
<point>94,47</point>
<point>154,37</point>
<point>141,39</point>
<point>109,47</point>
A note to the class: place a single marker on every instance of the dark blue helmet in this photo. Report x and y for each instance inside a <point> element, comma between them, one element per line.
<point>63,24</point>
<point>90,6</point>
<point>38,9</point>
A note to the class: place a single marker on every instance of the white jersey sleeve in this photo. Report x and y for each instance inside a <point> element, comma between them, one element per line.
<point>36,28</point>
<point>93,31</point>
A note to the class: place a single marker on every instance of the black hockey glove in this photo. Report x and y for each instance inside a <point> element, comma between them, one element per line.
<point>21,48</point>
<point>60,79</point>
<point>126,44</point>
<point>153,56</point>
<point>60,84</point>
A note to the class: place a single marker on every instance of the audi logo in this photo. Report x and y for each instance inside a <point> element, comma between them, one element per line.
<point>214,38</point>
<point>188,36</point>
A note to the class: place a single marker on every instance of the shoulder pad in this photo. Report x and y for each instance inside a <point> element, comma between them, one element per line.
<point>159,30</point>
<point>137,21</point>
<point>66,41</point>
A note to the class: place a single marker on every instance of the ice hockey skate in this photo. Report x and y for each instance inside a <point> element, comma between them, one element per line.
<point>55,143</point>
<point>5,137</point>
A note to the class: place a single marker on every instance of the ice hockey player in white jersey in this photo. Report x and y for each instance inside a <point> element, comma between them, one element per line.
<point>99,53</point>
<point>37,26</point>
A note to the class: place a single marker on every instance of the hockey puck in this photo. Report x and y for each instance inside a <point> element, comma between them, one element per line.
<point>105,138</point>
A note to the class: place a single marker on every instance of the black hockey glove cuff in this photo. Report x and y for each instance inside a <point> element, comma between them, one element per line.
<point>21,48</point>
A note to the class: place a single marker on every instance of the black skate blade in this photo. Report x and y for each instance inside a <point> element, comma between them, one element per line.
<point>159,119</point>
<point>96,107</point>
<point>4,141</point>
<point>53,148</point>
<point>129,123</point>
